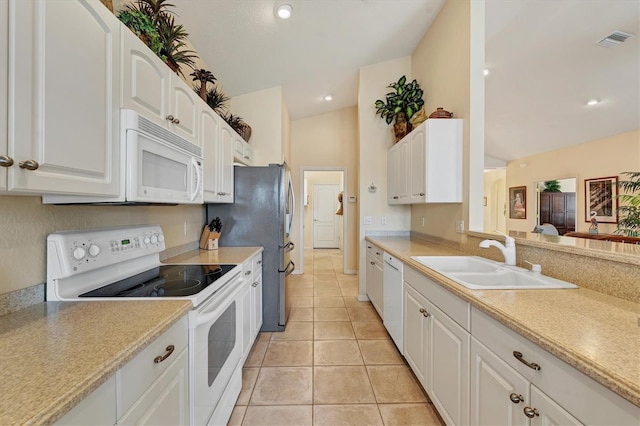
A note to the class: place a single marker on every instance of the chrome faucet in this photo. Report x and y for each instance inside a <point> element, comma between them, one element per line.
<point>508,249</point>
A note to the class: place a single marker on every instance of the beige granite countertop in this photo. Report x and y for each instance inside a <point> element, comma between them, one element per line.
<point>54,354</point>
<point>597,334</point>
<point>222,255</point>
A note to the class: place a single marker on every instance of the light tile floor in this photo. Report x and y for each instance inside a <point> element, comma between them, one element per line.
<point>334,365</point>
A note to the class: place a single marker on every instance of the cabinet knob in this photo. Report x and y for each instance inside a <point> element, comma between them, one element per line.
<point>530,412</point>
<point>222,193</point>
<point>176,121</point>
<point>395,197</point>
<point>424,313</point>
<point>422,194</point>
<point>6,161</point>
<point>29,165</point>
<point>373,263</point>
<point>254,284</point>
<point>170,118</point>
<point>520,357</point>
<point>160,358</point>
<point>248,273</point>
<point>516,398</point>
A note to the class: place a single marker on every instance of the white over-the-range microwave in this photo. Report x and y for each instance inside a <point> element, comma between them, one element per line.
<point>156,167</point>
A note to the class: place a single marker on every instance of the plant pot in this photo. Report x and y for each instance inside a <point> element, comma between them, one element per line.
<point>245,132</point>
<point>401,127</point>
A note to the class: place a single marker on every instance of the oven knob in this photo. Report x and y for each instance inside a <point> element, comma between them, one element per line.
<point>94,250</point>
<point>79,253</point>
<point>161,292</point>
<point>154,239</point>
<point>146,240</point>
<point>160,237</point>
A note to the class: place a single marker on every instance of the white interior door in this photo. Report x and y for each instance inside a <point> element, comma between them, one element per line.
<point>325,220</point>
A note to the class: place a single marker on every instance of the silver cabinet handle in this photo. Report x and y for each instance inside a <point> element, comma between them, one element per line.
<point>248,272</point>
<point>160,358</point>
<point>29,165</point>
<point>424,313</point>
<point>6,161</point>
<point>222,193</point>
<point>171,118</point>
<point>255,284</point>
<point>530,412</point>
<point>422,194</point>
<point>516,398</point>
<point>176,121</point>
<point>395,197</point>
<point>531,365</point>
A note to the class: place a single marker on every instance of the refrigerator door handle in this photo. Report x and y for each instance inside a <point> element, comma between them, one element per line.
<point>288,247</point>
<point>289,269</point>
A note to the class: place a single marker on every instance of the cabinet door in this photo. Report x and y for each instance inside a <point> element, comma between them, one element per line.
<point>226,178</point>
<point>404,170</point>
<point>63,125</point>
<point>448,364</point>
<point>417,180</point>
<point>376,289</point>
<point>245,302</point>
<point>145,80</point>
<point>166,401</point>
<point>99,408</point>
<point>416,332</point>
<point>498,392</point>
<point>184,106</point>
<point>545,411</point>
<point>5,160</point>
<point>393,168</point>
<point>256,306</point>
<point>210,142</point>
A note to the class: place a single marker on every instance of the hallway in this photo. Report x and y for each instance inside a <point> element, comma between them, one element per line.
<point>335,363</point>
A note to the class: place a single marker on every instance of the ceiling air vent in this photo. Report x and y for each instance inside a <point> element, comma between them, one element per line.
<point>614,39</point>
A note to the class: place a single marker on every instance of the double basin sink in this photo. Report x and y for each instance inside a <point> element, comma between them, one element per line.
<point>477,273</point>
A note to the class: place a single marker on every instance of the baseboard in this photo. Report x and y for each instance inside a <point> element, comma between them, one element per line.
<point>363,298</point>
<point>351,272</point>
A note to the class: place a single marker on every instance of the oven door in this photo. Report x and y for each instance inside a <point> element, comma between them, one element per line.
<point>216,348</point>
<point>160,173</point>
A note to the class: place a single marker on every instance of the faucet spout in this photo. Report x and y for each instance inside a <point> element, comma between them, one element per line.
<point>508,251</point>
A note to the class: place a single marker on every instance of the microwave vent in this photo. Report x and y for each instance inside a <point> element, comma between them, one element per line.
<point>167,136</point>
<point>614,39</point>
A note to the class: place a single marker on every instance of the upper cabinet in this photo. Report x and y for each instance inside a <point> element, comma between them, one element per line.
<point>242,151</point>
<point>426,165</point>
<point>216,140</point>
<point>60,129</point>
<point>152,89</point>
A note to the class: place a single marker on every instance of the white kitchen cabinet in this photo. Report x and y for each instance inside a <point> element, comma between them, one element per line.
<point>417,329</point>
<point>251,302</point>
<point>256,296</point>
<point>242,152</point>
<point>5,160</point>
<point>215,139</point>
<point>63,85</point>
<point>245,306</point>
<point>375,277</point>
<point>152,89</point>
<point>426,165</point>
<point>99,408</point>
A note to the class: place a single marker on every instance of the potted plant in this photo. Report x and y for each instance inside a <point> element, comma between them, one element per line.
<point>204,77</point>
<point>217,100</point>
<point>238,124</point>
<point>401,105</point>
<point>142,26</point>
<point>552,186</point>
<point>629,213</point>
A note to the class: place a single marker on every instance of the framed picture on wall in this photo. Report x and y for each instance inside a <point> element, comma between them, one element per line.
<point>601,197</point>
<point>518,202</point>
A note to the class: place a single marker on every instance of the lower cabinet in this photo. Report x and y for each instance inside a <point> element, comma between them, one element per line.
<point>151,389</point>
<point>374,277</point>
<point>251,302</point>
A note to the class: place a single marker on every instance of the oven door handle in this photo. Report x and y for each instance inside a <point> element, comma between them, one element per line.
<point>226,295</point>
<point>289,269</point>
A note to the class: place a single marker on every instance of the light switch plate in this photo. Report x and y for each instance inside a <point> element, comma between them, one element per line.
<point>460,226</point>
<point>368,220</point>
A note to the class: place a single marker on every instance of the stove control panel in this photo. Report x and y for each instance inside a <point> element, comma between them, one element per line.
<point>74,252</point>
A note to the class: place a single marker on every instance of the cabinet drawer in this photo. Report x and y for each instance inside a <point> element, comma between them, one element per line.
<point>135,377</point>
<point>583,397</point>
<point>374,250</point>
<point>450,304</point>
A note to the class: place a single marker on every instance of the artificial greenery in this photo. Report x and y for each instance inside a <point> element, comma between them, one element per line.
<point>217,100</point>
<point>204,77</point>
<point>552,186</point>
<point>142,26</point>
<point>407,99</point>
<point>629,212</point>
<point>171,36</point>
<point>234,121</point>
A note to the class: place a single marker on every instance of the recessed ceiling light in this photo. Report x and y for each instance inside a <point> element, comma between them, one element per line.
<point>592,102</point>
<point>284,11</point>
<point>486,72</point>
<point>328,98</point>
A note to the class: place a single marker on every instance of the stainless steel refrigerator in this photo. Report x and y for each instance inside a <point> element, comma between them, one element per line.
<point>262,215</point>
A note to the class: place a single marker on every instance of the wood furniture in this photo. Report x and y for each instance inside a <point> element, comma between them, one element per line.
<point>558,209</point>
<point>604,237</point>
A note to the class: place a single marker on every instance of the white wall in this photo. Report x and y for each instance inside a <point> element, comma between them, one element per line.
<point>495,189</point>
<point>376,137</point>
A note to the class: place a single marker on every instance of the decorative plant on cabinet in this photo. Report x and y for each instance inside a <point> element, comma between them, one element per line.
<point>629,213</point>
<point>401,105</point>
<point>204,77</point>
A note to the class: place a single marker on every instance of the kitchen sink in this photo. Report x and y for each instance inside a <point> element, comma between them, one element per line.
<point>477,273</point>
<point>447,264</point>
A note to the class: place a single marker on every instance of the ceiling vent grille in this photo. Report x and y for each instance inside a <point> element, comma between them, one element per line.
<point>614,39</point>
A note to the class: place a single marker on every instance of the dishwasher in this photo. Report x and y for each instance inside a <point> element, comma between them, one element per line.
<point>392,295</point>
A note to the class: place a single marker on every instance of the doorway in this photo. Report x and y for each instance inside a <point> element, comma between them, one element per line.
<point>323,217</point>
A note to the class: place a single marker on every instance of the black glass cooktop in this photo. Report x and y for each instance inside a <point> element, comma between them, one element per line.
<point>164,281</point>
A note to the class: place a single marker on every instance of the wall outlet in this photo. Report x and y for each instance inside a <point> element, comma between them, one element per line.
<point>383,220</point>
<point>422,221</point>
<point>368,220</point>
<point>460,226</point>
<point>186,227</point>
